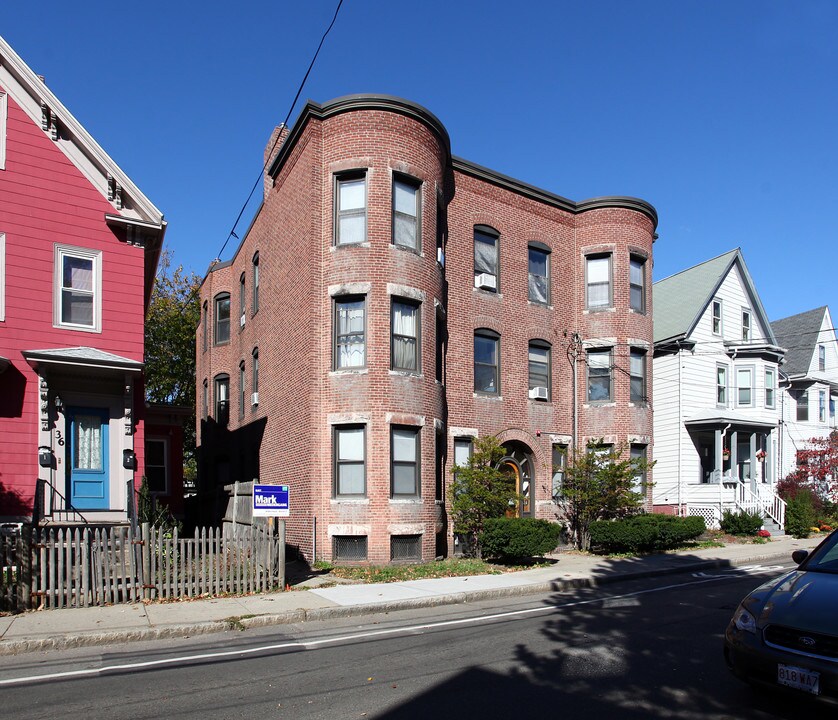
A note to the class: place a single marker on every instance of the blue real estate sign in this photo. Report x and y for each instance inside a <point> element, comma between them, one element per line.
<point>270,501</point>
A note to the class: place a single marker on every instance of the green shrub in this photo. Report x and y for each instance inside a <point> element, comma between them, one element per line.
<point>800,514</point>
<point>514,538</point>
<point>741,523</point>
<point>645,533</point>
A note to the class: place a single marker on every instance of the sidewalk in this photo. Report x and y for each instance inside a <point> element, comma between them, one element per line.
<point>52,629</point>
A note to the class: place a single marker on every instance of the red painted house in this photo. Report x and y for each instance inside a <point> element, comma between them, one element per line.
<point>79,245</point>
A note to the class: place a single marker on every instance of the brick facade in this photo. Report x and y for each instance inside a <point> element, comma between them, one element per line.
<point>304,270</point>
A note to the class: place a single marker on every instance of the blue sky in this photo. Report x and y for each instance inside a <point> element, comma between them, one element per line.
<point>723,115</point>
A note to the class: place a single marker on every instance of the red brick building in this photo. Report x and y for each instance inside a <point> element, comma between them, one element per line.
<point>79,245</point>
<point>389,303</point>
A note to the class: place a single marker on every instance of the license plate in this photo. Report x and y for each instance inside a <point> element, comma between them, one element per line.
<point>799,678</point>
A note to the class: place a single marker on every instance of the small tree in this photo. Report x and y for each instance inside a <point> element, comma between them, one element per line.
<point>481,491</point>
<point>817,470</point>
<point>173,315</point>
<point>599,485</point>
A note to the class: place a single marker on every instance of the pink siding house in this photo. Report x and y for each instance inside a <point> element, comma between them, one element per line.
<point>79,245</point>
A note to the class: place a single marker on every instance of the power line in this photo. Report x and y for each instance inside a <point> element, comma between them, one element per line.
<point>268,157</point>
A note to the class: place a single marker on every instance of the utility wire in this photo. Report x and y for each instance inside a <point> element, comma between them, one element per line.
<point>269,156</point>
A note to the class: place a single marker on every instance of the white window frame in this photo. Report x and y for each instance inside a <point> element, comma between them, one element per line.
<point>589,284</point>
<point>638,261</point>
<point>4,113</point>
<point>716,325</point>
<point>723,369</point>
<point>637,355</point>
<point>408,183</point>
<point>341,179</point>
<point>64,251</point>
<point>749,369</point>
<point>405,462</point>
<point>747,325</point>
<point>822,406</point>
<point>770,388</point>
<point>2,276</point>
<point>821,358</point>
<point>165,442</point>
<point>338,462</point>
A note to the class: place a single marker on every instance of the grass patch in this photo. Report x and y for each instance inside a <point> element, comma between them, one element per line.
<point>451,567</point>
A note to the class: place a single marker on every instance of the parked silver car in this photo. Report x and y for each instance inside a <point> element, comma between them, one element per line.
<point>785,633</point>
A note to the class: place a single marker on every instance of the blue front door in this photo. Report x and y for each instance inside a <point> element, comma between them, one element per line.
<point>88,460</point>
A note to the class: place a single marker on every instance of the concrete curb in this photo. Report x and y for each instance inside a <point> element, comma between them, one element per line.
<point>92,639</point>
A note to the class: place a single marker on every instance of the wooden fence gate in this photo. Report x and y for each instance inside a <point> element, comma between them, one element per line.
<point>80,567</point>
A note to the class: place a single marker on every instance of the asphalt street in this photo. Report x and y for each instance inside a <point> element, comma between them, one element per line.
<point>643,649</point>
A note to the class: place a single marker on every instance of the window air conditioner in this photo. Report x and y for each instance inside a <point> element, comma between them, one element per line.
<point>241,320</point>
<point>538,393</point>
<point>254,398</point>
<point>486,281</point>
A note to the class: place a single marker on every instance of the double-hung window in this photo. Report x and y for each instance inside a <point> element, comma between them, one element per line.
<point>204,323</point>
<point>406,212</point>
<point>637,375</point>
<point>539,370</point>
<point>821,357</point>
<point>404,454</point>
<point>486,362</point>
<point>463,448</point>
<point>78,300</point>
<point>538,275</point>
<point>559,465</point>
<point>242,388</point>
<point>770,387</point>
<point>222,318</point>
<point>637,283</point>
<point>255,283</point>
<point>486,271</point>
<point>156,465</point>
<point>638,455</point>
<point>717,317</point>
<point>405,335</point>
<point>350,332</point>
<point>599,375</point>
<point>350,460</point>
<point>822,406</point>
<point>744,386</point>
<point>350,208</point>
<point>803,405</point>
<point>255,376</point>
<point>242,300</point>
<point>222,399</point>
<point>598,281</point>
<point>721,385</point>
<point>746,325</point>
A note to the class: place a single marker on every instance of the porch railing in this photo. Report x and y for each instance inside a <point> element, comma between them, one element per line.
<point>732,489</point>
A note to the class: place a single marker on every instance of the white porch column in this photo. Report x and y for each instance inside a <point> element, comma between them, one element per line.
<point>718,464</point>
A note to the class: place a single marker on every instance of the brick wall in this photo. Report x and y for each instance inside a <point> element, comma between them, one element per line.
<point>302,398</point>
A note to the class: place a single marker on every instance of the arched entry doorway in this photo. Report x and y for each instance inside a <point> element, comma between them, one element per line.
<point>518,464</point>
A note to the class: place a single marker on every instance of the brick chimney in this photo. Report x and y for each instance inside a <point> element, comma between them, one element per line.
<point>280,132</point>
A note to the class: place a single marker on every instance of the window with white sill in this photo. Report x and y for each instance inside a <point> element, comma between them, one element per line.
<point>78,288</point>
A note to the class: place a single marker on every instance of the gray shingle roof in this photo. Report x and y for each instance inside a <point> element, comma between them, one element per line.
<point>799,335</point>
<point>680,299</point>
<point>82,356</point>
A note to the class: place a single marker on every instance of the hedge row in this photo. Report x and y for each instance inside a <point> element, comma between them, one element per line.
<point>519,538</point>
<point>645,533</point>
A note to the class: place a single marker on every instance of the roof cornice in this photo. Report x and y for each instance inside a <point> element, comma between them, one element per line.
<point>351,103</point>
<point>517,186</point>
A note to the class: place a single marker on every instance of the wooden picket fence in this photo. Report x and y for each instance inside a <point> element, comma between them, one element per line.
<point>80,567</point>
